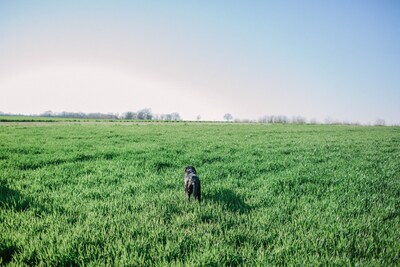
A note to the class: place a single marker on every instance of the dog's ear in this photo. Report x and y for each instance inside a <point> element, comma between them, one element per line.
<point>185,169</point>
<point>194,169</point>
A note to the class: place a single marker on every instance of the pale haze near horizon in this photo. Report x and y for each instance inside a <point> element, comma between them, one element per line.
<point>317,59</point>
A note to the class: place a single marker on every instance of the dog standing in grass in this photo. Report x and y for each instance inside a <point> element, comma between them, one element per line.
<point>192,183</point>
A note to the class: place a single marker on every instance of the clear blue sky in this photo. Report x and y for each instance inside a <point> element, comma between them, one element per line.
<point>317,59</point>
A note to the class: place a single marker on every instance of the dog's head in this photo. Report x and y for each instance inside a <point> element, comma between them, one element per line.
<point>190,169</point>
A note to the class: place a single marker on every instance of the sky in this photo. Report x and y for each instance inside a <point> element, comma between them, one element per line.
<point>336,60</point>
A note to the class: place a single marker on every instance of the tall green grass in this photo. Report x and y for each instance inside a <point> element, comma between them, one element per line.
<point>112,194</point>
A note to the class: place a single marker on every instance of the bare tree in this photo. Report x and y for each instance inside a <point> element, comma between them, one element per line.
<point>129,115</point>
<point>175,116</point>
<point>157,117</point>
<point>228,117</point>
<point>380,122</point>
<point>299,120</point>
<point>144,114</point>
<point>263,119</point>
<point>47,113</point>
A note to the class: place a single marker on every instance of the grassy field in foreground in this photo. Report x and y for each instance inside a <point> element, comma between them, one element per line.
<point>112,194</point>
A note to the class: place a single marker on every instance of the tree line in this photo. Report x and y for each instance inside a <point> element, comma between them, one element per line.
<point>142,114</point>
<point>146,114</point>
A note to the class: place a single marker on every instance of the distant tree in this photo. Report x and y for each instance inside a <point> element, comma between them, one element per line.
<point>281,119</point>
<point>198,118</point>
<point>129,115</point>
<point>228,117</point>
<point>266,119</point>
<point>263,119</point>
<point>299,120</point>
<point>157,117</point>
<point>175,116</point>
<point>380,122</point>
<point>168,117</point>
<point>47,113</point>
<point>144,114</point>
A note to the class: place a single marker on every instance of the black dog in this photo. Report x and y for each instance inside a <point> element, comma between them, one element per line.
<point>192,183</point>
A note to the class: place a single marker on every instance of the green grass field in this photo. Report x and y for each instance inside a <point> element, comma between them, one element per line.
<point>111,194</point>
